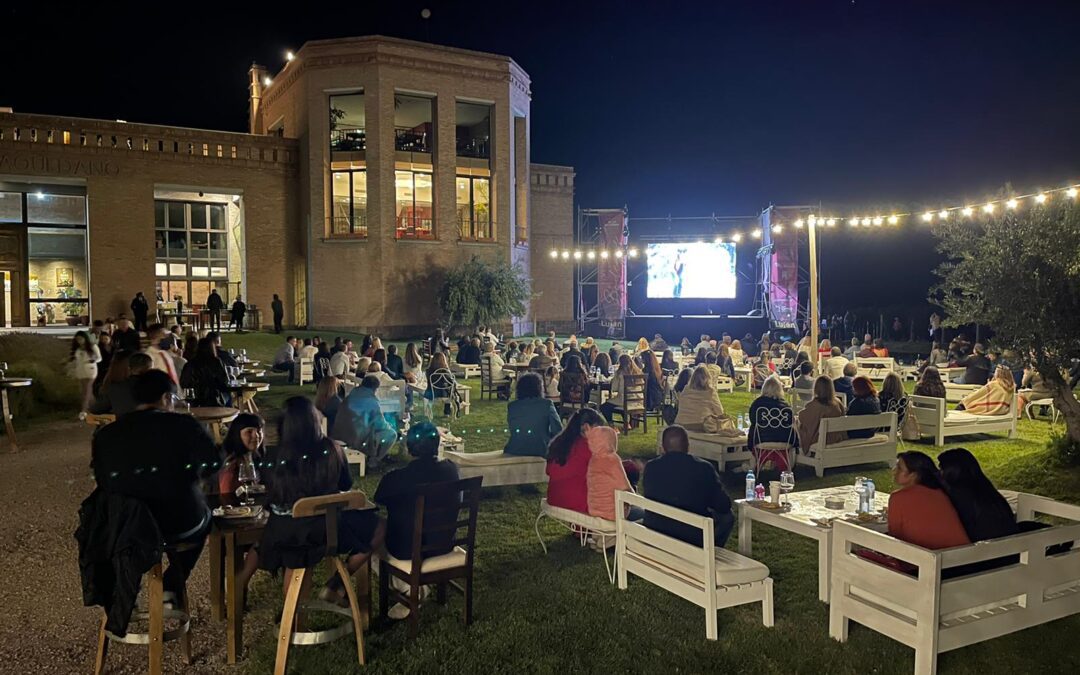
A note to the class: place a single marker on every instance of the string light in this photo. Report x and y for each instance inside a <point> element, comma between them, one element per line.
<point>878,220</point>
<point>289,56</point>
<point>577,255</point>
<point>632,253</point>
<point>718,240</point>
<point>591,255</point>
<point>604,255</point>
<point>756,234</point>
<point>927,217</point>
<point>968,211</point>
<point>1071,193</point>
<point>988,207</point>
<point>777,229</point>
<point>854,222</point>
<point>894,219</point>
<point>554,253</point>
<point>1040,198</point>
<point>618,253</point>
<point>737,237</point>
<point>1011,204</point>
<point>799,223</point>
<point>943,214</point>
<point>831,222</point>
<point>565,254</point>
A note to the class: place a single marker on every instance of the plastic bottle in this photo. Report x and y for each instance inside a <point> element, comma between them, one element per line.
<point>759,492</point>
<point>860,490</point>
<point>750,486</point>
<point>742,422</point>
<point>871,489</point>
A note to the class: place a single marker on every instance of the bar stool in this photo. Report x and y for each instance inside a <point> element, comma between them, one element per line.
<point>329,507</point>
<point>156,614</point>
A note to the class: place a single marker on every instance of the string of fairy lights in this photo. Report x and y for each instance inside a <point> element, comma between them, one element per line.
<point>879,218</point>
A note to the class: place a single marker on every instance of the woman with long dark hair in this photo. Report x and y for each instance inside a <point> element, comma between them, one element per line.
<point>568,462</point>
<point>84,360</point>
<point>654,380</point>
<point>243,443</point>
<point>531,419</point>
<point>206,375</point>
<point>983,511</point>
<point>919,511</point>
<point>306,463</point>
<point>668,363</point>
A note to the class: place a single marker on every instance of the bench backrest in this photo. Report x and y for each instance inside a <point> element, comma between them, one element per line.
<point>886,362</point>
<point>885,421</point>
<point>633,538</point>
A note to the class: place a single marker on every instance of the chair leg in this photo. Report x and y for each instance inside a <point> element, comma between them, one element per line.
<point>156,607</point>
<point>185,639</point>
<point>102,647</point>
<point>384,588</point>
<point>536,527</point>
<point>767,605</point>
<point>363,582</point>
<point>414,609</point>
<point>468,597</point>
<point>288,616</point>
<point>440,593</point>
<point>354,607</point>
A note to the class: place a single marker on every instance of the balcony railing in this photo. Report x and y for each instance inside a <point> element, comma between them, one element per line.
<point>476,148</point>
<point>476,230</point>
<point>412,140</point>
<point>349,227</point>
<point>348,139</point>
<point>415,228</point>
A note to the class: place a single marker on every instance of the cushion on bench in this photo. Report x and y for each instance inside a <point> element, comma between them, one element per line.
<point>854,442</point>
<point>957,417</point>
<point>722,439</point>
<point>731,568</point>
<point>493,458</point>
<point>455,558</point>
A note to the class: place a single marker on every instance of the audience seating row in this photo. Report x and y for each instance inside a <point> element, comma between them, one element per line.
<point>936,420</point>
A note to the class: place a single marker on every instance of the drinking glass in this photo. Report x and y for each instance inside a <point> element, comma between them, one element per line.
<point>787,482</point>
<point>247,476</point>
<point>189,394</point>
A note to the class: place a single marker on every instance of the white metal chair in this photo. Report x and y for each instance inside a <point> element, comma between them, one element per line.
<point>782,419</point>
<point>443,386</point>
<point>1042,402</point>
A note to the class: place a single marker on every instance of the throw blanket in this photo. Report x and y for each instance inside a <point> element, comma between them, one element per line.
<point>993,398</point>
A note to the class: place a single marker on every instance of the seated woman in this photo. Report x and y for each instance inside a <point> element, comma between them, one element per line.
<point>603,364</point>
<point>701,357</point>
<point>308,464</point>
<point>642,346</point>
<point>864,401</point>
<point>698,401</point>
<point>796,366</point>
<point>824,350</point>
<point>772,402</point>
<point>412,368</point>
<point>432,392</point>
<point>738,356</point>
<point>825,404</point>
<point>328,398</point>
<point>879,349</point>
<point>919,511</point>
<point>668,364</point>
<point>568,458</point>
<point>244,443</point>
<point>930,383</point>
<point>892,394</point>
<point>983,512</point>
<point>684,379</point>
<point>531,419</point>
<point>551,383</point>
<point>574,382</point>
<point>724,362</point>
<point>655,382</point>
<point>469,353</point>
<point>1033,387</point>
<point>686,347</point>
<point>206,376</point>
<point>993,398</point>
<point>615,401</point>
<point>589,355</point>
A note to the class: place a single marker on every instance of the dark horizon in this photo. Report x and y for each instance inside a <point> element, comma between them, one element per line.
<point>671,110</point>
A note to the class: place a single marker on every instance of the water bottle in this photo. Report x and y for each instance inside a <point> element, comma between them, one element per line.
<point>742,422</point>
<point>860,490</point>
<point>750,485</point>
<point>871,489</point>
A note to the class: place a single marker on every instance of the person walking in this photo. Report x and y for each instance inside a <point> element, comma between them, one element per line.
<point>140,308</point>
<point>239,309</point>
<point>279,312</point>
<point>214,305</point>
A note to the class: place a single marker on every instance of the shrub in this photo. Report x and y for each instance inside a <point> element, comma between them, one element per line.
<point>1066,449</point>
<point>44,359</point>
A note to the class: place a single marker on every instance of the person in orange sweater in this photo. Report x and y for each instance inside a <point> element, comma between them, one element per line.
<point>605,475</point>
<point>920,512</point>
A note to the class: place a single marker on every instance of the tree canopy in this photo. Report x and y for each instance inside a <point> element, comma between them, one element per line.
<point>481,293</point>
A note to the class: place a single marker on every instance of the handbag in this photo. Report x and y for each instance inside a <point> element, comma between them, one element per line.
<point>909,430</point>
<point>717,424</point>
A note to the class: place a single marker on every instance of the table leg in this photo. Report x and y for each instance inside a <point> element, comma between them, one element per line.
<point>217,580</point>
<point>824,565</point>
<point>215,429</point>
<point>8,426</point>
<point>745,530</point>
<point>234,610</point>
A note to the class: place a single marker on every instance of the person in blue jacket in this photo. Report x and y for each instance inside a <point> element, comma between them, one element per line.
<point>531,419</point>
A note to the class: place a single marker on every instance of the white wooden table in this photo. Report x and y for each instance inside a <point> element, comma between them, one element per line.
<point>948,373</point>
<point>747,373</point>
<point>805,506</point>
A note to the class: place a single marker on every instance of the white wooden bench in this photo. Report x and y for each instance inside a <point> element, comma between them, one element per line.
<point>933,614</point>
<point>937,421</point>
<point>465,370</point>
<point>709,577</point>
<point>954,393</point>
<point>583,526</point>
<point>875,367</point>
<point>498,468</point>
<point>719,448</point>
<point>881,447</point>
<point>725,384</point>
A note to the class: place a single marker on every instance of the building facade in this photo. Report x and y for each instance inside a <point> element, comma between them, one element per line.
<point>371,166</point>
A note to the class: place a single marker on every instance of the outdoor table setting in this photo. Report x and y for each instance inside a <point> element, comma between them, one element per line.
<point>6,385</point>
<point>806,514</point>
<point>244,394</point>
<point>948,372</point>
<point>215,418</point>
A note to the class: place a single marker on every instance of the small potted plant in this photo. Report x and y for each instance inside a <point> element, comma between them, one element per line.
<point>72,310</point>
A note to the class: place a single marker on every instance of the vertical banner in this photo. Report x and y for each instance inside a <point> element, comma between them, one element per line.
<point>611,273</point>
<point>783,284</point>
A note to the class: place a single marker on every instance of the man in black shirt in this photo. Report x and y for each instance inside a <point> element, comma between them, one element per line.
<point>125,337</point>
<point>679,479</point>
<point>157,456</point>
<point>977,367</point>
<point>394,365</point>
<point>278,309</point>
<point>214,305</point>
<point>397,490</point>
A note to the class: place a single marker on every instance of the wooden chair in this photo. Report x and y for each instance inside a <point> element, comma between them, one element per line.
<point>573,392</point>
<point>489,384</point>
<point>633,407</point>
<point>155,614</point>
<point>329,507</point>
<point>439,555</point>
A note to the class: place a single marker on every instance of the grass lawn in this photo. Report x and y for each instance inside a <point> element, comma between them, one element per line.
<point>537,613</point>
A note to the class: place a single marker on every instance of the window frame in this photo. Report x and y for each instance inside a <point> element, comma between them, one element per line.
<point>355,231</point>
<point>407,233</point>
<point>473,224</point>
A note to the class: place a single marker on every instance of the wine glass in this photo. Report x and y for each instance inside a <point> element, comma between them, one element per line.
<point>247,476</point>
<point>787,482</point>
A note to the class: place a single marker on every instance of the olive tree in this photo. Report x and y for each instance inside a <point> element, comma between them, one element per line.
<point>481,293</point>
<point>1018,271</point>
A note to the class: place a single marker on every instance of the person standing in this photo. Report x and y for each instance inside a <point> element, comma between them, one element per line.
<point>85,357</point>
<point>278,308</point>
<point>239,309</point>
<point>140,308</point>
<point>214,305</point>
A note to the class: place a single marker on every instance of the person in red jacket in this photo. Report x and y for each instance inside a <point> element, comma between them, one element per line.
<point>920,512</point>
<point>568,462</point>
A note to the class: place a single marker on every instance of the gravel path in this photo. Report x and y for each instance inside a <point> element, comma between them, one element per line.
<point>44,627</point>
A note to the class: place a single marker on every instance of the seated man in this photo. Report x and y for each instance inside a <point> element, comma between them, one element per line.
<point>360,423</point>
<point>309,350</point>
<point>395,367</point>
<point>679,479</point>
<point>227,359</point>
<point>469,352</point>
<point>805,380</point>
<point>340,363</point>
<point>285,359</point>
<point>834,365</point>
<point>843,384</point>
<point>866,351</point>
<point>157,456</point>
<point>118,398</point>
<point>976,367</point>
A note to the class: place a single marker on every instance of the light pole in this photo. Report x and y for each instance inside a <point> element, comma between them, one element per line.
<point>812,232</point>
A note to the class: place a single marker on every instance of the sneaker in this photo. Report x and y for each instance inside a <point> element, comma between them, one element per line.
<point>398,612</point>
<point>168,600</point>
<point>334,597</point>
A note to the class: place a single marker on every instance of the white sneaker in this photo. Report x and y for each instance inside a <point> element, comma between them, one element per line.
<point>398,612</point>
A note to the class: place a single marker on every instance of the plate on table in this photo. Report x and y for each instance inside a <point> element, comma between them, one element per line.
<point>238,512</point>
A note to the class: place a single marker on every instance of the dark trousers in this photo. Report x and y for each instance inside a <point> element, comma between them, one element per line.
<point>238,319</point>
<point>215,319</point>
<point>723,524</point>
<point>181,563</point>
<point>286,367</point>
<point>277,322</point>
<point>140,321</point>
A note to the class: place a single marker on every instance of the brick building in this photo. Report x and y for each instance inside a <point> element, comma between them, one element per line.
<point>372,165</point>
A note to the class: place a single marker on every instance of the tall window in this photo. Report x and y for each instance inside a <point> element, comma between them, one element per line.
<point>191,250</point>
<point>413,130</point>
<point>349,215</point>
<point>414,205</point>
<point>347,118</point>
<point>473,130</point>
<point>57,270</point>
<point>474,208</point>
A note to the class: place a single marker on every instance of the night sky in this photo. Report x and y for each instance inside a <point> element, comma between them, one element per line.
<point>668,108</point>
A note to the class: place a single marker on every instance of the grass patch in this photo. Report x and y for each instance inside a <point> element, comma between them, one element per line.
<point>53,394</point>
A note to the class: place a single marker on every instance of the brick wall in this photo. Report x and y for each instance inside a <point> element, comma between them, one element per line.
<point>552,207</point>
